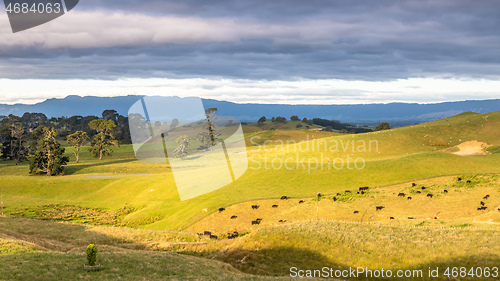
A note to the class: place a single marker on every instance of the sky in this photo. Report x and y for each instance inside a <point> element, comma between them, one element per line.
<point>280,51</point>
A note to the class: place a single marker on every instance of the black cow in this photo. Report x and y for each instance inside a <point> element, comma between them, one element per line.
<point>213,237</point>
<point>468,181</point>
<point>423,187</point>
<point>274,206</point>
<point>499,209</point>
<point>486,197</point>
<point>334,199</point>
<point>255,207</point>
<point>482,203</point>
<point>258,219</point>
<point>230,236</point>
<point>482,208</point>
<point>284,198</point>
<point>221,210</point>
<point>282,221</point>
<point>207,233</point>
<point>233,217</point>
<point>362,192</point>
<point>355,212</point>
<point>347,191</point>
<point>401,194</point>
<point>391,218</point>
<point>413,184</point>
<point>429,195</point>
<point>255,222</point>
<point>378,208</point>
<point>418,192</point>
<point>301,201</point>
<point>411,218</point>
<point>409,198</point>
<point>363,188</point>
<point>338,194</point>
<point>459,179</point>
<point>445,191</point>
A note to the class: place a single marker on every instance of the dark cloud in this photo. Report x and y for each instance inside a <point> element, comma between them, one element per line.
<point>365,40</point>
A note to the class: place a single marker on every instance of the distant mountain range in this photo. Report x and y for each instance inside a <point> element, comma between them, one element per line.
<point>356,114</point>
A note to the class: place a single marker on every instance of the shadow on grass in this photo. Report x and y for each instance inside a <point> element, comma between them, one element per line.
<point>61,237</point>
<point>72,169</point>
<point>278,261</point>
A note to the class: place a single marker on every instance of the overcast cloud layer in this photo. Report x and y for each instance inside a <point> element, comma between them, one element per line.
<point>282,40</point>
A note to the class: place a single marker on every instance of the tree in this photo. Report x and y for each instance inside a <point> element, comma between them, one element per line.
<point>48,158</point>
<point>77,139</point>
<point>280,119</point>
<point>174,124</point>
<point>15,138</point>
<point>209,136</point>
<point>273,119</point>
<point>103,141</point>
<point>183,142</point>
<point>110,114</point>
<point>383,126</point>
<point>261,120</point>
<point>294,118</point>
<point>304,119</point>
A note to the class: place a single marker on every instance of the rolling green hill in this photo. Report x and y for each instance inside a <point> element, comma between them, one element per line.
<point>390,157</point>
<point>455,159</point>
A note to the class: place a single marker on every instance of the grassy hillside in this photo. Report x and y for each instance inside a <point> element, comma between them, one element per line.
<point>405,234</point>
<point>396,156</point>
<point>30,249</point>
<point>55,250</point>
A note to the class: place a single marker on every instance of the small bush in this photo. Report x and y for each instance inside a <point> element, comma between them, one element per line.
<point>91,254</point>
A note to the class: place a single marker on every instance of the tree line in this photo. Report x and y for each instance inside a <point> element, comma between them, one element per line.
<point>35,138</point>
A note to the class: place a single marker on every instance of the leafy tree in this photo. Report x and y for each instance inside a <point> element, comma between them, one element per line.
<point>273,119</point>
<point>181,150</point>
<point>174,124</point>
<point>294,118</point>
<point>48,158</point>
<point>103,141</point>
<point>280,119</point>
<point>77,139</point>
<point>261,120</point>
<point>304,119</point>
<point>110,114</point>
<point>383,126</point>
<point>15,138</point>
<point>33,120</point>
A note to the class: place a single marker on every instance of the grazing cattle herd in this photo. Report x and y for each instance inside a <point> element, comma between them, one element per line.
<point>362,190</point>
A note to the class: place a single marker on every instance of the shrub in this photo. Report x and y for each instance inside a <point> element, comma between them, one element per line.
<point>298,125</point>
<point>91,254</point>
<point>383,126</point>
